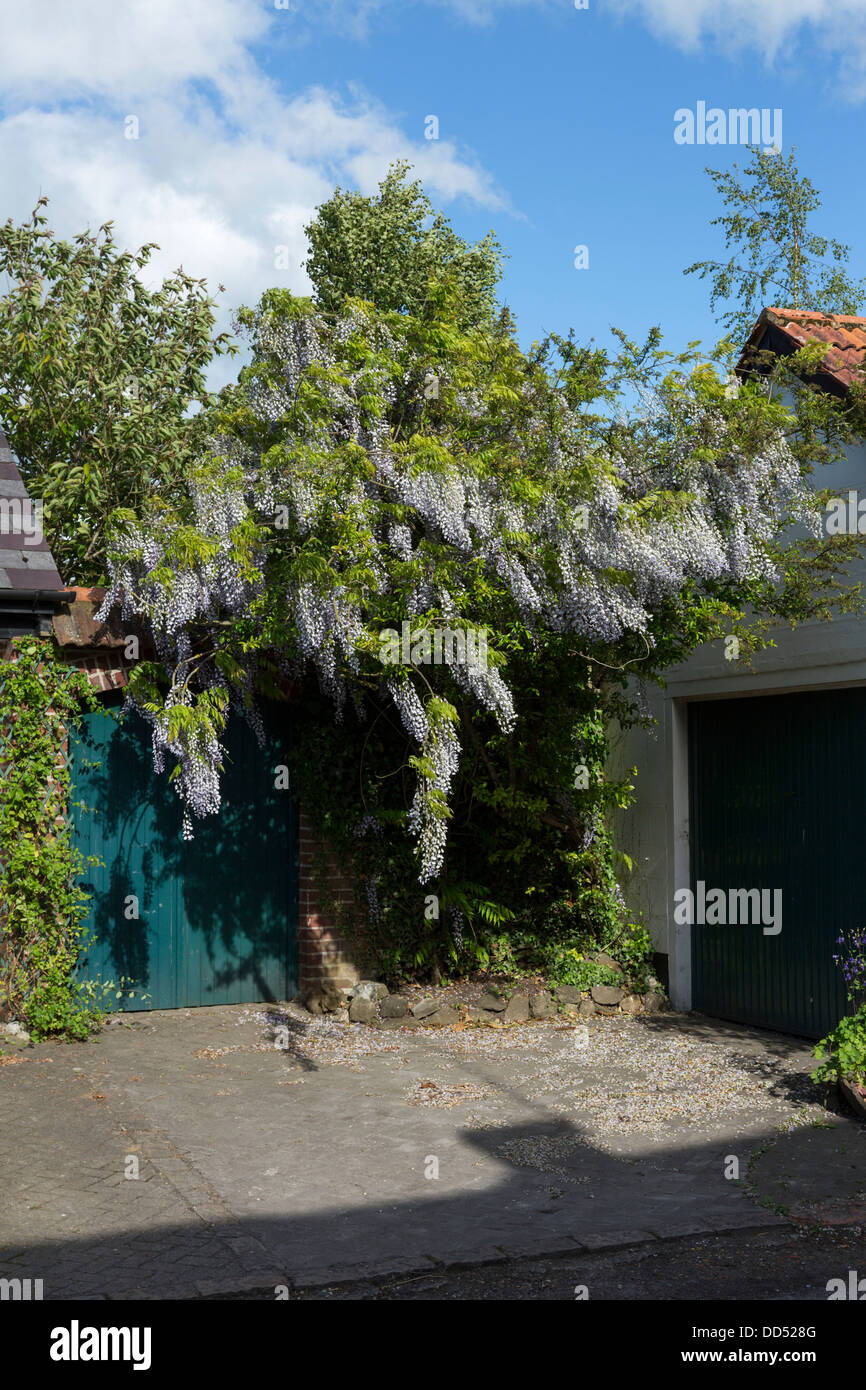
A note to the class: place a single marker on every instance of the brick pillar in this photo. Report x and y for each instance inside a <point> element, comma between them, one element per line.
<point>323,953</point>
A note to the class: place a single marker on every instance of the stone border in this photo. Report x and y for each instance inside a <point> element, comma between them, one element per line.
<point>371,1002</point>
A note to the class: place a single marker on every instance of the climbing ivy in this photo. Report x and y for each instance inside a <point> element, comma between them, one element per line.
<point>42,901</point>
<point>523,891</point>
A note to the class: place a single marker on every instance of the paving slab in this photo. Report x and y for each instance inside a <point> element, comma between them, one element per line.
<point>355,1153</point>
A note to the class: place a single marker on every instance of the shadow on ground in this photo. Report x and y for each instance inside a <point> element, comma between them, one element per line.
<point>339,1177</point>
<point>582,1203</point>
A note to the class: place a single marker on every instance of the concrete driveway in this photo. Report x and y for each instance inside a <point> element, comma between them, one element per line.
<point>186,1153</point>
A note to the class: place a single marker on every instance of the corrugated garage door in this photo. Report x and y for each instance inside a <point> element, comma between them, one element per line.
<point>216,916</point>
<point>778,800</point>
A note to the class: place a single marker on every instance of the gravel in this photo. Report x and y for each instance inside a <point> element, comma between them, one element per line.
<point>617,1075</point>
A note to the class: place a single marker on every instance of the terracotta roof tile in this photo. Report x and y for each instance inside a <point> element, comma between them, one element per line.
<point>75,624</point>
<point>845,335</point>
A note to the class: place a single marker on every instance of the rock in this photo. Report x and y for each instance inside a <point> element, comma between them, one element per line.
<point>567,994</point>
<point>610,1009</point>
<point>586,1008</point>
<point>395,1006</point>
<point>362,1010</point>
<point>323,998</point>
<point>12,1029</point>
<point>854,1094</point>
<point>493,1003</point>
<point>517,1009</point>
<point>632,1004</point>
<point>406,1022</point>
<point>445,1017</point>
<point>369,989</point>
<point>424,1008</point>
<point>541,1005</point>
<point>653,1002</point>
<point>602,958</point>
<point>655,986</point>
<point>607,994</point>
<point>479,1016</point>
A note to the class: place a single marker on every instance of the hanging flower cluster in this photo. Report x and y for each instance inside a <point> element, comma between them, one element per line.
<point>345,496</point>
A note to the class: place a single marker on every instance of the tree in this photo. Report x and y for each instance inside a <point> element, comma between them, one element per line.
<point>777,257</point>
<point>98,376</point>
<point>377,468</point>
<point>386,249</point>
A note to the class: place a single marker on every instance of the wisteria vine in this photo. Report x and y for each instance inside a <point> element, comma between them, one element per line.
<point>343,496</point>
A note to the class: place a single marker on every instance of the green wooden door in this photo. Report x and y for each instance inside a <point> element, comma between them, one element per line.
<point>778,800</point>
<point>216,916</point>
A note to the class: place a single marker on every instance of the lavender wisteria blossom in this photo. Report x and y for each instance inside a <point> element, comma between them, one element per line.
<point>341,498</point>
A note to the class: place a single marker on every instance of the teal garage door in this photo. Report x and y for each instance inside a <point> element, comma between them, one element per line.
<point>207,921</point>
<point>778,801</point>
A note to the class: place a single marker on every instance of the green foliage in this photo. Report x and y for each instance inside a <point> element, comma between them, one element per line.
<point>633,949</point>
<point>534,953</point>
<point>520,893</point>
<point>844,1050</point>
<point>515,899</point>
<point>777,258</point>
<point>347,482</point>
<point>102,995</point>
<point>386,250</point>
<point>97,379</point>
<point>42,905</point>
<point>569,968</point>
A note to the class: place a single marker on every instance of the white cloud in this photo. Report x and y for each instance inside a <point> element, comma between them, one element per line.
<point>226,169</point>
<point>122,50</point>
<point>356,17</point>
<point>774,28</point>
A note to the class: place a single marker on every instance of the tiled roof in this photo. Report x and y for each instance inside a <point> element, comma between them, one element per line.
<point>25,560</point>
<point>844,333</point>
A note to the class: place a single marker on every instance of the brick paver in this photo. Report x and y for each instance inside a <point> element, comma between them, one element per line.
<point>258,1167</point>
<point>70,1217</point>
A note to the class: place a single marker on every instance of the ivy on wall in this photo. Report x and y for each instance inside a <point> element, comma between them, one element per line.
<point>42,902</point>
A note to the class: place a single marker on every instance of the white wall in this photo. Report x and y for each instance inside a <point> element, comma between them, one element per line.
<point>654,831</point>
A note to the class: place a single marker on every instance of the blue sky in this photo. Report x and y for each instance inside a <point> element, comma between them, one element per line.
<point>555,128</point>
